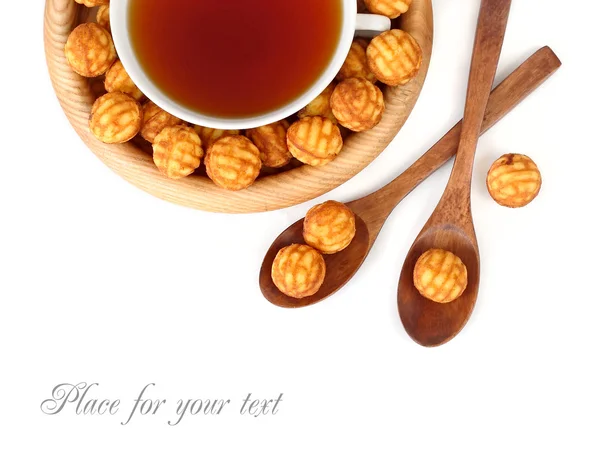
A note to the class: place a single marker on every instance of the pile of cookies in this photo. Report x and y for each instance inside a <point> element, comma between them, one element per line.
<point>513,181</point>
<point>354,102</point>
<point>299,270</point>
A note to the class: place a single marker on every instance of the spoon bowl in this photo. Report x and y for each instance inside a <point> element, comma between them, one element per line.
<point>451,225</point>
<point>429,323</point>
<point>341,266</point>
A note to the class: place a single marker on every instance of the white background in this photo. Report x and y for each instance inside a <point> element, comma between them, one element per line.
<point>103,283</point>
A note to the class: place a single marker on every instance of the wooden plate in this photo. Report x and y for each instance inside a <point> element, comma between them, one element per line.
<point>270,192</point>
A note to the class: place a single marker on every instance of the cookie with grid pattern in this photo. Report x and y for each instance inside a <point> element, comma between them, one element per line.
<point>103,16</point>
<point>315,140</point>
<point>394,57</point>
<point>320,105</point>
<point>440,276</point>
<point>90,50</point>
<point>93,3</point>
<point>233,162</point>
<point>117,79</point>
<point>298,271</point>
<point>115,118</point>
<point>210,135</point>
<point>357,104</point>
<point>329,227</point>
<point>156,120</point>
<point>514,180</point>
<point>390,8</point>
<point>271,142</point>
<point>356,64</point>
<point>177,151</point>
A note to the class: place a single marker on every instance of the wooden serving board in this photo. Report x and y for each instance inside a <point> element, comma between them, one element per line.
<point>273,192</point>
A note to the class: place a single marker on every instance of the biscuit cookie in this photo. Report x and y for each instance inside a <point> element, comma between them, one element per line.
<point>298,271</point>
<point>514,180</point>
<point>320,105</point>
<point>356,64</point>
<point>210,135</point>
<point>390,8</point>
<point>117,79</point>
<point>329,227</point>
<point>357,104</point>
<point>115,118</point>
<point>271,142</point>
<point>177,151</point>
<point>314,140</point>
<point>90,50</point>
<point>440,276</point>
<point>156,120</point>
<point>93,3</point>
<point>394,57</point>
<point>233,162</point>
<point>103,16</point>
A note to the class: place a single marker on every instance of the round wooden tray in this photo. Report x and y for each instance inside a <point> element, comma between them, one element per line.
<point>272,192</point>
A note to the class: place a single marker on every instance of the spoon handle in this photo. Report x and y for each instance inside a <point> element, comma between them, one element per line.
<point>491,27</point>
<point>376,207</point>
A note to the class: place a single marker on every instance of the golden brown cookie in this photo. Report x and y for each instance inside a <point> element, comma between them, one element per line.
<point>357,104</point>
<point>177,151</point>
<point>395,57</point>
<point>329,227</point>
<point>156,120</point>
<point>90,50</point>
<point>103,16</point>
<point>233,162</point>
<point>320,105</point>
<point>314,140</point>
<point>117,79</point>
<point>298,271</point>
<point>440,276</point>
<point>514,180</point>
<point>210,135</point>
<point>271,142</point>
<point>93,3</point>
<point>390,8</point>
<point>115,118</point>
<point>356,64</point>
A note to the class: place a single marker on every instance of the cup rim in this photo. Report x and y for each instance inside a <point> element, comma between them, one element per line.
<point>119,12</point>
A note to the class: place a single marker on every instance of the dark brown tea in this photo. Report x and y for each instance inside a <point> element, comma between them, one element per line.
<point>234,58</point>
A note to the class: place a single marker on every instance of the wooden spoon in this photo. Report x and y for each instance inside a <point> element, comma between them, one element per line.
<point>451,224</point>
<point>373,210</point>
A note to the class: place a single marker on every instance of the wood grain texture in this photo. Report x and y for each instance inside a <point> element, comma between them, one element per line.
<point>268,193</point>
<point>373,210</point>
<point>450,227</point>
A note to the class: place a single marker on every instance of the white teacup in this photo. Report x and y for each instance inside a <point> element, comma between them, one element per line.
<point>353,23</point>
